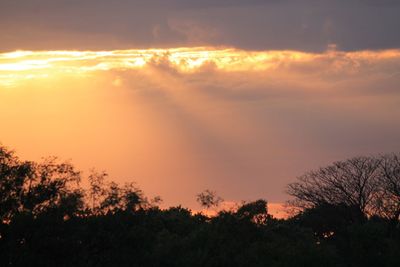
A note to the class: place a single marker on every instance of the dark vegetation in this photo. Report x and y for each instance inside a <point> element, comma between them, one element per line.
<point>348,215</point>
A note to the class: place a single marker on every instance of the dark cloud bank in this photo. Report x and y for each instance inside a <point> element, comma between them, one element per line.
<point>306,25</point>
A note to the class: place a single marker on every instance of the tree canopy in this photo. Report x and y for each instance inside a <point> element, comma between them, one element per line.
<point>348,216</point>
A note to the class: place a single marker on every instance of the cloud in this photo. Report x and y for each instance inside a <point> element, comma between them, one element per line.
<point>305,25</point>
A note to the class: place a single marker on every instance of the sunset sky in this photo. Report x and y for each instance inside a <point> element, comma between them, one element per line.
<point>236,96</point>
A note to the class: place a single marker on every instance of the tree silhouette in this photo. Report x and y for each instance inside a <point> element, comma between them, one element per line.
<point>35,188</point>
<point>388,200</point>
<point>208,199</point>
<point>349,217</point>
<point>352,182</point>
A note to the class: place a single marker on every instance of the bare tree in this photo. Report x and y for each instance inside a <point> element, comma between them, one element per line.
<point>97,190</point>
<point>352,182</point>
<point>388,199</point>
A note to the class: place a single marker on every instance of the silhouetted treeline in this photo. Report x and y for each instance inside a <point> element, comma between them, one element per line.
<point>348,216</point>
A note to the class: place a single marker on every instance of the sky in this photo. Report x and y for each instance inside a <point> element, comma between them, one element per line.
<point>240,97</point>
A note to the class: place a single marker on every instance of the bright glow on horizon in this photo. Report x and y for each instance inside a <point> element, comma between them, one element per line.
<point>25,65</point>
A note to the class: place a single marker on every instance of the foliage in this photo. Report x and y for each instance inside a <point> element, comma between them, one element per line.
<point>208,199</point>
<point>48,219</point>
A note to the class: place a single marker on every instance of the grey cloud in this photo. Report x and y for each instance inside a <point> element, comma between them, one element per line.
<point>306,25</point>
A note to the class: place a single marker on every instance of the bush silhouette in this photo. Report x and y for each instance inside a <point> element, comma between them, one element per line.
<point>48,219</point>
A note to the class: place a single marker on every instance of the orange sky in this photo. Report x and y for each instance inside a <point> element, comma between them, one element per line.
<point>177,121</point>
